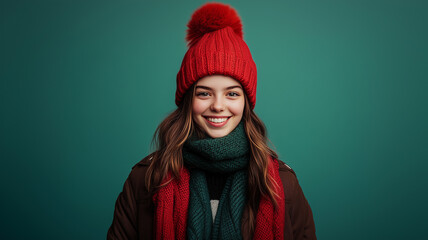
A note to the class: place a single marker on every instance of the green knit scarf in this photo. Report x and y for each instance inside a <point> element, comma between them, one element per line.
<point>229,154</point>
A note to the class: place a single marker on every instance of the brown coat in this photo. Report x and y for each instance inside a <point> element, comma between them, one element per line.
<point>134,209</point>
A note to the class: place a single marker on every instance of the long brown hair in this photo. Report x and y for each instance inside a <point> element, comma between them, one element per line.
<point>174,130</point>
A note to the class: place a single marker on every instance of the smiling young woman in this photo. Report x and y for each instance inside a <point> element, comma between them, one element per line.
<point>213,175</point>
<point>218,105</point>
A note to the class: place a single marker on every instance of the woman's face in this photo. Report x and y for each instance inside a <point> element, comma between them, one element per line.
<point>218,104</point>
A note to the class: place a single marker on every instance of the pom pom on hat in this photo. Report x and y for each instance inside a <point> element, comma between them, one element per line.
<point>211,17</point>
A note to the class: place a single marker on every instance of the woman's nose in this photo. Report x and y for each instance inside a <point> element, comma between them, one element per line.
<point>217,105</point>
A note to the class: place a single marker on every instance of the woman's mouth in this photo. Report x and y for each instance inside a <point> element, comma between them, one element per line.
<point>217,121</point>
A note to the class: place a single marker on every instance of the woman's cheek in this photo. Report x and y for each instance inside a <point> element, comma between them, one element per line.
<point>237,108</point>
<point>198,107</point>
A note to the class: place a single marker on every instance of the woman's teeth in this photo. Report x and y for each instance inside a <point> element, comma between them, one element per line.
<point>217,120</point>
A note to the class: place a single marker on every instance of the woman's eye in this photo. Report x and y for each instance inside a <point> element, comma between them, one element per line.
<point>203,94</point>
<point>233,94</point>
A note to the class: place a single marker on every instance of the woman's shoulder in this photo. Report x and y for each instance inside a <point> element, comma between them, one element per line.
<point>145,162</point>
<point>289,180</point>
<point>139,169</point>
<point>137,177</point>
<point>297,207</point>
<point>285,171</point>
<point>283,167</point>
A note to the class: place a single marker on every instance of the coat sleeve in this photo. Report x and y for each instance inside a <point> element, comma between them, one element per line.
<point>124,224</point>
<point>301,215</point>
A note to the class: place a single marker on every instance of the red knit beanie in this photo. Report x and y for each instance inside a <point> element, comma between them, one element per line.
<point>216,46</point>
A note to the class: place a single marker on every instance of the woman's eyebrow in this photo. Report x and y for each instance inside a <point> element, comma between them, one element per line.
<point>231,87</point>
<point>203,87</point>
<point>208,88</point>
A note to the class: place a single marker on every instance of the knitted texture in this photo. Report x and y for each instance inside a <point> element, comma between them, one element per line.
<point>216,47</point>
<point>215,154</point>
<point>174,198</point>
<point>183,205</point>
<point>227,154</point>
<point>227,223</point>
<point>171,205</point>
<point>270,220</point>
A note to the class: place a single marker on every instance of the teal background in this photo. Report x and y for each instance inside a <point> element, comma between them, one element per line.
<point>342,89</point>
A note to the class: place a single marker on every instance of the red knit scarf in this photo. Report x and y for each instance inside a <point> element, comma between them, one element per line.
<point>172,202</point>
